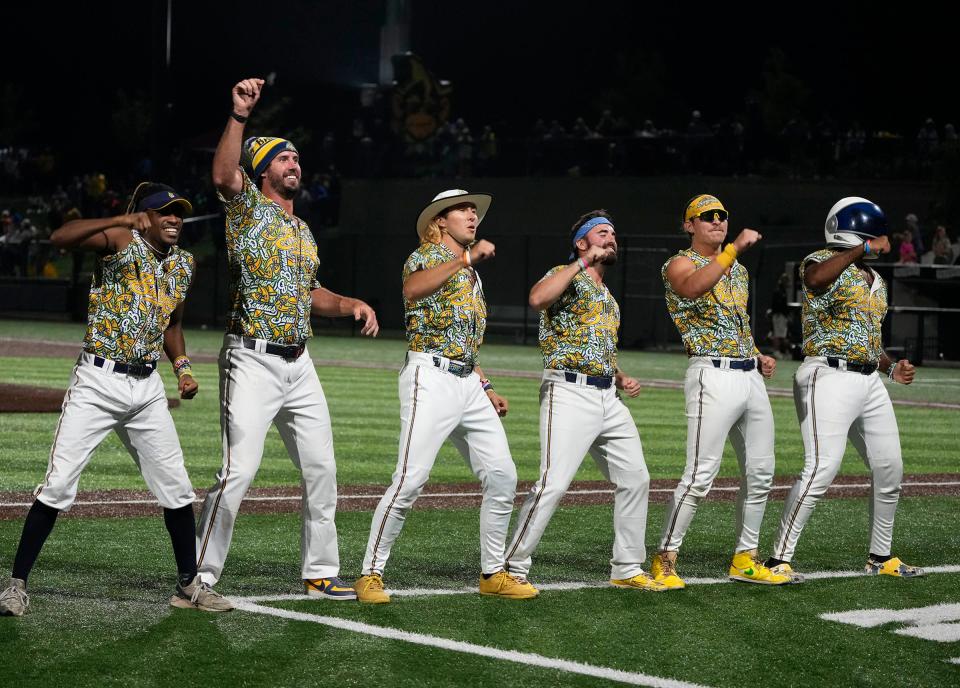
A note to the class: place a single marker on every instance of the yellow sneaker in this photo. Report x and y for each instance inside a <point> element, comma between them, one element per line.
<point>663,569</point>
<point>785,569</point>
<point>502,584</point>
<point>747,567</point>
<point>892,567</point>
<point>642,581</point>
<point>370,589</point>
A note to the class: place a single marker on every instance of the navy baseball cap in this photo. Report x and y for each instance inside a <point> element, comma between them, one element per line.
<point>156,196</point>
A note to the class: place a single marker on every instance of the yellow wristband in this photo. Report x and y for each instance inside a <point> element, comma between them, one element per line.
<point>184,371</point>
<point>728,255</point>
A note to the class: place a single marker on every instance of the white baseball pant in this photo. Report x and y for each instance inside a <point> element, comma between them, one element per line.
<point>576,418</point>
<point>832,406</point>
<point>435,405</point>
<point>720,402</point>
<point>257,389</point>
<point>98,401</point>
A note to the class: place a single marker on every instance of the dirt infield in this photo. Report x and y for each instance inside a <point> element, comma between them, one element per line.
<point>28,399</point>
<point>279,500</point>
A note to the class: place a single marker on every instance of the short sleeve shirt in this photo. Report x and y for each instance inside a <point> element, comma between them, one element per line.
<point>578,332</point>
<point>132,297</point>
<point>451,321</point>
<point>716,323</point>
<point>273,266</point>
<point>845,319</point>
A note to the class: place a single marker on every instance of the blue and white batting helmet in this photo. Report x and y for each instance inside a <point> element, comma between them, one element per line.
<point>852,221</point>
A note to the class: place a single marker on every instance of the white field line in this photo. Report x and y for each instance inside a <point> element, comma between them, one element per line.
<point>954,660</point>
<point>253,604</point>
<point>941,633</point>
<point>477,495</point>
<point>582,585</point>
<point>868,618</point>
<point>524,658</point>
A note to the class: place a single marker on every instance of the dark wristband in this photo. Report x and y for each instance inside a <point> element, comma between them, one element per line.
<point>239,118</point>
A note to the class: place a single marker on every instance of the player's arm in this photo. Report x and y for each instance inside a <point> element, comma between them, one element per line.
<point>691,282</point>
<point>548,291</point>
<point>227,176</point>
<point>175,348</point>
<point>902,371</point>
<point>819,276</point>
<point>422,283</point>
<point>330,305</point>
<point>500,404</point>
<point>103,234</point>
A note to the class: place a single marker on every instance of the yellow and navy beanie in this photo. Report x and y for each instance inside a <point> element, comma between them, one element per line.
<point>261,150</point>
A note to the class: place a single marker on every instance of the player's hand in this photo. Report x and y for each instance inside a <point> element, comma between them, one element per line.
<point>768,365</point>
<point>905,370</point>
<point>245,95</point>
<point>880,245</point>
<point>362,311</point>
<point>481,251</point>
<point>137,221</point>
<point>188,387</point>
<point>500,404</point>
<point>746,239</point>
<point>597,254</point>
<point>629,385</point>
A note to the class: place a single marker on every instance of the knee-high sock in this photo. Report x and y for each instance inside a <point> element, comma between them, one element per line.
<point>36,529</point>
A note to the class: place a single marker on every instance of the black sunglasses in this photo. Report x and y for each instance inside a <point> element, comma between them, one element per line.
<point>711,215</point>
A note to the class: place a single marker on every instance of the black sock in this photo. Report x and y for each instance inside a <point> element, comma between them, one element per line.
<point>183,536</point>
<point>880,559</point>
<point>771,562</point>
<point>36,529</point>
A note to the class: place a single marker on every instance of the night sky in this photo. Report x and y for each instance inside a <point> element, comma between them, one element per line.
<point>889,68</point>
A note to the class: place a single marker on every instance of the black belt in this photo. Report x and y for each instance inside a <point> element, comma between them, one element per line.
<point>745,365</point>
<point>455,367</point>
<point>132,369</point>
<point>598,381</point>
<point>852,366</point>
<point>293,351</point>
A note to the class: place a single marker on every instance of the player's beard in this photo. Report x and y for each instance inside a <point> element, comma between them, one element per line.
<point>610,258</point>
<point>285,192</point>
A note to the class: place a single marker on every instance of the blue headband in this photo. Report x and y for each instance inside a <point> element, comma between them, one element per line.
<point>585,229</point>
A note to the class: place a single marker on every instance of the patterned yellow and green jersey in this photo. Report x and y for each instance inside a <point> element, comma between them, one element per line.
<point>845,319</point>
<point>131,299</point>
<point>273,266</point>
<point>451,321</point>
<point>716,323</point>
<point>578,332</point>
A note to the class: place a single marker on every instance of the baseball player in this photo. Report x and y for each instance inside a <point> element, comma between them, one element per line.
<point>444,393</point>
<point>706,292</point>
<point>135,309</point>
<point>580,409</point>
<point>266,374</point>
<point>838,391</point>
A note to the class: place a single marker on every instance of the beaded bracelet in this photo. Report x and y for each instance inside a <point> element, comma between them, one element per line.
<point>181,366</point>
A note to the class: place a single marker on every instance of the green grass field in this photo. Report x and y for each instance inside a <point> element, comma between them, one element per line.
<point>99,612</point>
<point>365,414</point>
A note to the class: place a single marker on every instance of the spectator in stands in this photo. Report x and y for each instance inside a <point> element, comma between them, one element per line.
<point>942,247</point>
<point>908,252</point>
<point>780,318</point>
<point>648,131</point>
<point>913,224</point>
